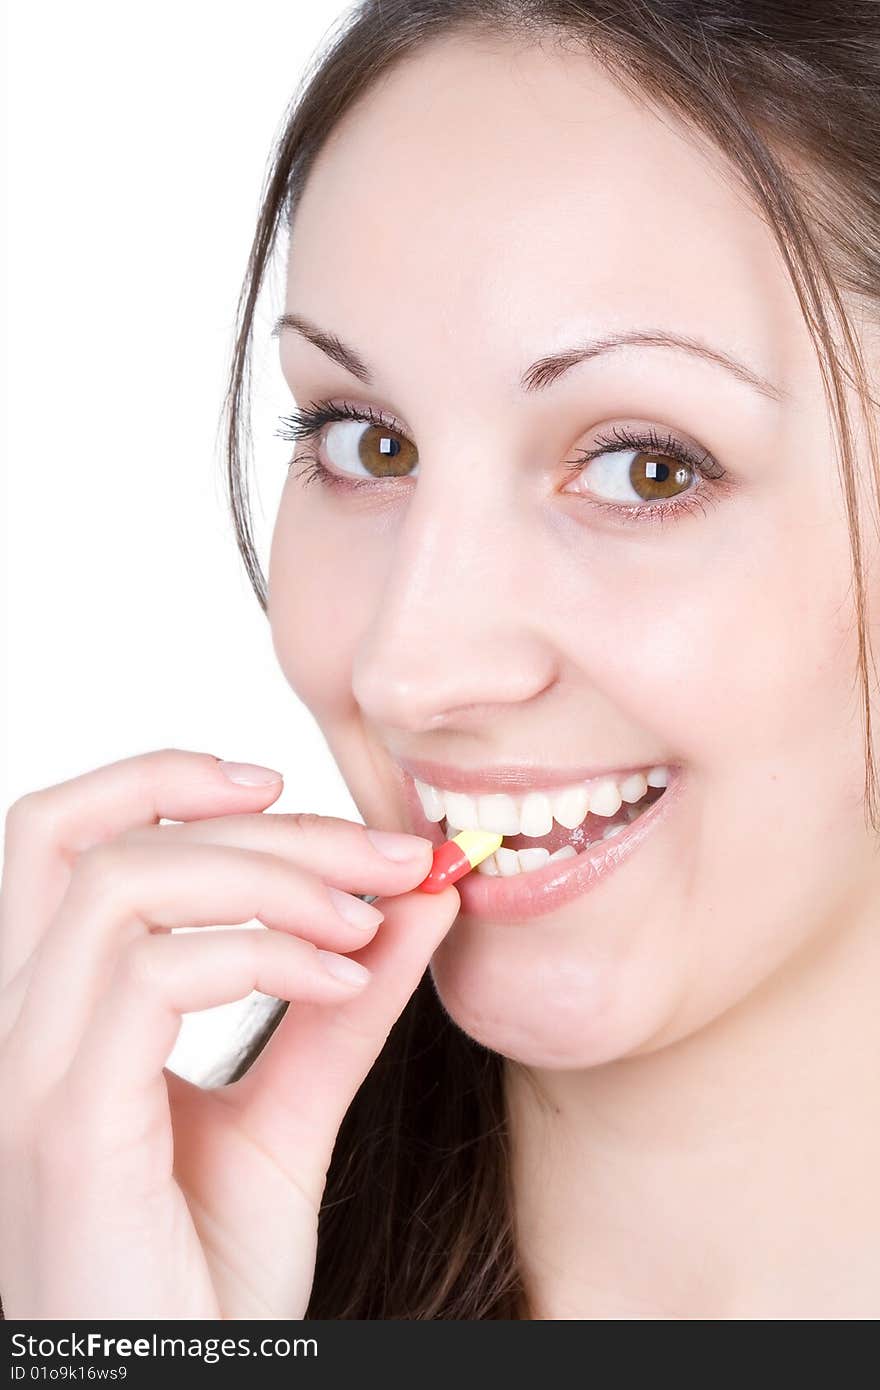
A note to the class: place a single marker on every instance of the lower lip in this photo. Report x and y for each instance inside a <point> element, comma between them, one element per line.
<point>540,891</point>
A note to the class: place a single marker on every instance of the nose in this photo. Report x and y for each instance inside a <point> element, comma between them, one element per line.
<point>456,634</point>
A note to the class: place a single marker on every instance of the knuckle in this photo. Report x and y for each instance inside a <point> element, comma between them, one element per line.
<point>156,755</point>
<point>99,861</point>
<point>360,1031</point>
<point>30,810</point>
<point>167,761</point>
<point>254,948</point>
<point>307,821</point>
<point>102,871</point>
<point>136,835</point>
<point>149,771</point>
<point>159,762</point>
<point>139,964</point>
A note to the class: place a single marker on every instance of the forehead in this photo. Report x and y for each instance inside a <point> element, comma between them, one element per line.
<point>500,197</point>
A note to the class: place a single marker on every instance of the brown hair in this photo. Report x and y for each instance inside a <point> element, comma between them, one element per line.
<point>417,1217</point>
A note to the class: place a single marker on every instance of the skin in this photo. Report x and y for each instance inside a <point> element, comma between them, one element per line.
<point>207,1199</point>
<point>699,1034</point>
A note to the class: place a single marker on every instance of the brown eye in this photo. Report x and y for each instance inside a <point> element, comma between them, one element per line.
<point>658,475</point>
<point>363,450</point>
<point>633,476</point>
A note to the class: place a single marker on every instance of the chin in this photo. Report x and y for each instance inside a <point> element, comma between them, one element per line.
<point>549,1003</point>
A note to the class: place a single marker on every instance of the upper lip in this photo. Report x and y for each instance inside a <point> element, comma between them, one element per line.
<point>511,777</point>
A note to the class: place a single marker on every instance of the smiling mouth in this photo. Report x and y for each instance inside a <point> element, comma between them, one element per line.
<point>541,827</point>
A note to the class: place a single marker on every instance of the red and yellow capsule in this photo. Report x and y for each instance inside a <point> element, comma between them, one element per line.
<point>456,857</point>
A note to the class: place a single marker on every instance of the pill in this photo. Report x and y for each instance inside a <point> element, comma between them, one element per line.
<point>456,857</point>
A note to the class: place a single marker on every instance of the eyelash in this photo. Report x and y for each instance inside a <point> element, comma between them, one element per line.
<point>306,422</point>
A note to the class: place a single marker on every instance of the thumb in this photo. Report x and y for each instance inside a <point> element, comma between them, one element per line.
<point>297,1092</point>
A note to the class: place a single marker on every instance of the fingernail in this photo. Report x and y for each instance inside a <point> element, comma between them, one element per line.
<point>398,847</point>
<point>344,968</point>
<point>249,774</point>
<point>352,910</point>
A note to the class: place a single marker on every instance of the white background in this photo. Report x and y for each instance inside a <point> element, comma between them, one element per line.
<point>138,142</point>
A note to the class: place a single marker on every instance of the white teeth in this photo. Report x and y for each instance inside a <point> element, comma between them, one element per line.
<point>488,866</point>
<point>611,830</point>
<point>536,817</point>
<point>534,813</point>
<point>633,788</point>
<point>605,797</point>
<point>533,858</point>
<point>508,862</point>
<point>432,801</point>
<point>570,806</point>
<point>461,809</point>
<point>498,813</point>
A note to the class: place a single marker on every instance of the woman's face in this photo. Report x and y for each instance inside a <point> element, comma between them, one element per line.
<point>464,606</point>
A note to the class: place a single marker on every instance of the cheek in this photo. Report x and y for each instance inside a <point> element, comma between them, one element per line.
<point>320,599</point>
<point>735,641</point>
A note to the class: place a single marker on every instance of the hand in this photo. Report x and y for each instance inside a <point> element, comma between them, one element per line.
<point>128,1192</point>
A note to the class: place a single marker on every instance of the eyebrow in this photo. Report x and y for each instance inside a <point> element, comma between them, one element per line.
<point>546,370</point>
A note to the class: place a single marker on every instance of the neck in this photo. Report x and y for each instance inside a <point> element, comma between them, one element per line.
<point>730,1174</point>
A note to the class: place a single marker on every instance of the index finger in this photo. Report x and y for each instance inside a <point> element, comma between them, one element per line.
<point>342,853</point>
<point>48,828</point>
